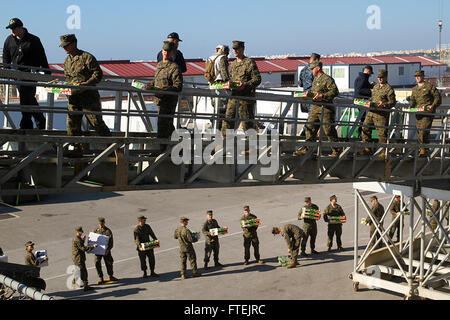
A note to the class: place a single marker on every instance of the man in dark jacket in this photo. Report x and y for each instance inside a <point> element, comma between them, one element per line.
<point>23,48</point>
<point>177,57</point>
<point>363,89</point>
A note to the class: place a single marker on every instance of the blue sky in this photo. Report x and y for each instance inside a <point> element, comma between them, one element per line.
<point>135,29</point>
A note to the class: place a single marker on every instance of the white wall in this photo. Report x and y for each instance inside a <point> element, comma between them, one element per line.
<point>407,79</point>
<point>340,75</point>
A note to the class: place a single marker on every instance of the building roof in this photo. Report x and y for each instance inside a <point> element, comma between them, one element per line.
<point>196,67</point>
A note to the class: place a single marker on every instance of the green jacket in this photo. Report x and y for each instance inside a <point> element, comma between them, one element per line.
<point>205,230</point>
<point>79,250</point>
<point>249,232</point>
<point>327,87</point>
<point>383,93</point>
<point>245,71</point>
<point>425,95</point>
<point>143,234</point>
<point>30,259</point>
<point>185,239</point>
<point>292,234</point>
<point>167,78</point>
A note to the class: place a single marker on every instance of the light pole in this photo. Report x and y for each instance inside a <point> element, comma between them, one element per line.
<point>440,32</point>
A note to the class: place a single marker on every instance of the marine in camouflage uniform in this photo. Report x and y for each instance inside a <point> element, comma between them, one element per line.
<point>377,211</point>
<point>250,235</point>
<point>309,228</point>
<point>325,86</point>
<point>104,230</point>
<point>245,71</point>
<point>79,255</point>
<point>334,210</point>
<point>384,96</point>
<point>167,78</point>
<point>142,234</point>
<point>30,259</point>
<point>424,94</point>
<point>435,207</point>
<point>211,242</point>
<point>395,210</point>
<point>81,68</point>
<point>187,251</point>
<point>293,236</point>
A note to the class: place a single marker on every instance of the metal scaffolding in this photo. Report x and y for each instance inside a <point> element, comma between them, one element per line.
<point>34,162</point>
<point>417,266</point>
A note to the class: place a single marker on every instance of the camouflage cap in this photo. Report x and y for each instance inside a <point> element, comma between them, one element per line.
<point>382,73</point>
<point>182,219</point>
<point>373,198</point>
<point>419,73</point>
<point>29,243</point>
<point>315,64</point>
<point>333,197</point>
<point>168,46</point>
<point>101,219</point>
<point>246,208</point>
<point>14,23</point>
<point>238,44</point>
<point>210,212</point>
<point>142,217</point>
<point>79,229</point>
<point>67,39</point>
<point>307,199</point>
<point>315,56</point>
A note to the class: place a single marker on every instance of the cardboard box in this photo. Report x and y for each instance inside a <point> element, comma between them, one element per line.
<point>101,240</point>
<point>250,223</point>
<point>305,95</point>
<point>335,220</point>
<point>223,85</point>
<point>217,231</point>
<point>40,255</point>
<point>150,245</point>
<point>66,91</point>
<point>310,214</point>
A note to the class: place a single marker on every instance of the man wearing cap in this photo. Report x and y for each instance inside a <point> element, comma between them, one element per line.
<point>184,236</point>
<point>221,74</point>
<point>306,79</point>
<point>363,89</point>
<point>177,56</point>
<point>309,228</point>
<point>384,97</point>
<point>334,210</point>
<point>104,230</point>
<point>325,90</point>
<point>395,210</point>
<point>245,73</point>
<point>167,78</point>
<point>142,234</point>
<point>24,48</point>
<point>377,211</point>
<point>250,236</point>
<point>30,259</point>
<point>81,68</point>
<point>293,236</point>
<point>79,255</point>
<point>211,242</point>
<point>424,94</point>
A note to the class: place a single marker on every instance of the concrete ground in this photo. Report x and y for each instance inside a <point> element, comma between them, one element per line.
<point>51,223</point>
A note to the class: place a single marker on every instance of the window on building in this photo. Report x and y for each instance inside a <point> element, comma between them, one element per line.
<point>338,73</point>
<point>401,71</point>
<point>288,80</point>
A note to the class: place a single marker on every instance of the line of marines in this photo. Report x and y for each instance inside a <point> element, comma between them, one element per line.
<point>81,68</point>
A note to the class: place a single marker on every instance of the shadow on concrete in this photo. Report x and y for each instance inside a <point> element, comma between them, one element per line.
<point>76,197</point>
<point>6,208</point>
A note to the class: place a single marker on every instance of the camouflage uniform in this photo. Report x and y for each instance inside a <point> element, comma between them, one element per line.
<point>293,236</point>
<point>222,74</point>
<point>211,242</point>
<point>167,78</point>
<point>425,95</point>
<point>386,94</point>
<point>395,210</point>
<point>30,259</point>
<point>378,212</point>
<point>83,69</point>
<point>250,238</point>
<point>325,85</point>
<point>243,71</point>
<point>107,257</point>
<point>187,251</point>
<point>334,228</point>
<point>435,207</point>
<point>141,235</point>
<point>79,257</point>
<point>309,228</point>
